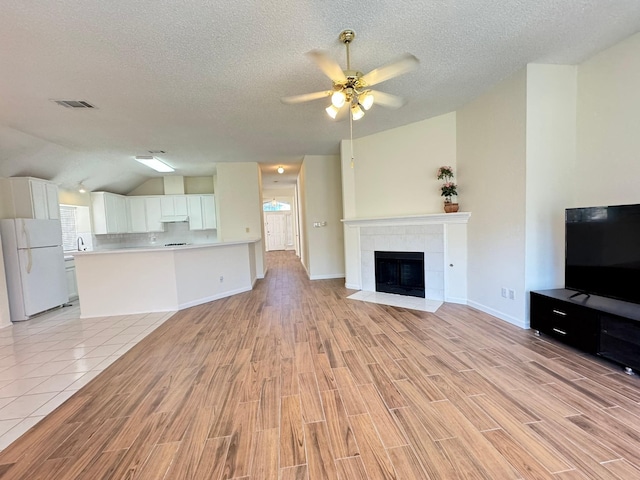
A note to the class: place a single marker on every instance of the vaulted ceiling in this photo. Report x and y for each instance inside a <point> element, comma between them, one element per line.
<point>202,81</point>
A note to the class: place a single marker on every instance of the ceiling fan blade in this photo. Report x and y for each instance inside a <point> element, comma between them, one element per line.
<point>329,66</point>
<point>305,97</point>
<point>387,100</point>
<point>404,64</point>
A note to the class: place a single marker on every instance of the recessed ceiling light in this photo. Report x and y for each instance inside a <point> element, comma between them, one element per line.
<point>154,163</point>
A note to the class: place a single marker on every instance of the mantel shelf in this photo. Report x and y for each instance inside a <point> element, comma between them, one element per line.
<point>427,219</point>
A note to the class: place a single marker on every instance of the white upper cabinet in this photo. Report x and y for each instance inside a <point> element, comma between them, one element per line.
<point>137,214</point>
<point>172,205</point>
<point>202,212</point>
<point>144,214</point>
<point>194,205</point>
<point>153,209</point>
<point>209,212</point>
<point>109,213</point>
<point>27,197</point>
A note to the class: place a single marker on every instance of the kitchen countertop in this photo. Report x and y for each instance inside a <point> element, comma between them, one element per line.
<point>162,248</point>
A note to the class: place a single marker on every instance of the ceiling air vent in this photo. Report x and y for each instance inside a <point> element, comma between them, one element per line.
<point>74,103</point>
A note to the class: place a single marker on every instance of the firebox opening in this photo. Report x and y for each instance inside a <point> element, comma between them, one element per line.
<point>400,273</point>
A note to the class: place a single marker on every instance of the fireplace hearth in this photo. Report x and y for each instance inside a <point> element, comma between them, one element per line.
<point>401,273</point>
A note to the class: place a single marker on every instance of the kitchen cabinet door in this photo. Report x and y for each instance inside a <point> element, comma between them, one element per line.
<point>173,205</point>
<point>72,284</point>
<point>53,203</point>
<point>109,213</point>
<point>39,200</point>
<point>137,214</point>
<point>194,205</point>
<point>209,219</point>
<point>154,212</point>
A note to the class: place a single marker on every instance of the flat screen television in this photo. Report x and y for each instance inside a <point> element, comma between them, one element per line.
<point>602,255</point>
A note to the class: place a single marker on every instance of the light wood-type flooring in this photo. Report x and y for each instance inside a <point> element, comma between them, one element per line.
<point>294,381</point>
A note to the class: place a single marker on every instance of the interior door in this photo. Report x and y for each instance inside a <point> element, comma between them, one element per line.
<point>276,230</point>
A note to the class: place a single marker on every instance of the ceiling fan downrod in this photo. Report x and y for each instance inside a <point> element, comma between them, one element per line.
<point>346,37</point>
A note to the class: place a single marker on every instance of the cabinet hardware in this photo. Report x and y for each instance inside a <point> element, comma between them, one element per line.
<point>558,312</point>
<point>561,332</point>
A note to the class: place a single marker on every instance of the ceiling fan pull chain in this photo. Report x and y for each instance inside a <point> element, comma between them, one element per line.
<point>351,137</point>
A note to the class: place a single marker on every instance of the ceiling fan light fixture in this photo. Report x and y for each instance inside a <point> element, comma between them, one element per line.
<point>366,100</point>
<point>280,170</point>
<point>332,111</point>
<point>356,112</point>
<point>338,98</point>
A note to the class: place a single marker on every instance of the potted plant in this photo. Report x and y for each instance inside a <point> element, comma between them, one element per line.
<point>448,189</point>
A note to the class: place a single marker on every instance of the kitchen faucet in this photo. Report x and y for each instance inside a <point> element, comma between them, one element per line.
<point>80,242</point>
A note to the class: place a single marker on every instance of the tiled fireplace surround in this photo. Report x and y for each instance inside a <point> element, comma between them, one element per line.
<point>428,239</point>
<point>441,237</point>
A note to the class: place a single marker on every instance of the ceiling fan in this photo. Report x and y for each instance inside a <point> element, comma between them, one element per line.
<point>350,87</point>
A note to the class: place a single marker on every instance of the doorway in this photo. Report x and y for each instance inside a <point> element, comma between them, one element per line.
<point>278,225</point>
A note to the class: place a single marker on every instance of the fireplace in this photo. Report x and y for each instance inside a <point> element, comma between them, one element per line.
<point>400,272</point>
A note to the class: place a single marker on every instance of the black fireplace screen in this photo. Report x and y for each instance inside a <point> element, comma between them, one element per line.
<point>400,272</point>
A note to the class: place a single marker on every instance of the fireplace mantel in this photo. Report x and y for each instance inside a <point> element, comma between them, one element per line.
<point>428,219</point>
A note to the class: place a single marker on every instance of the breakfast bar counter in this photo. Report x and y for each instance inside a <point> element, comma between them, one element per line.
<point>162,279</point>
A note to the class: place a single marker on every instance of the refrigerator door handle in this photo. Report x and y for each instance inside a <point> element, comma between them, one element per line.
<point>29,257</point>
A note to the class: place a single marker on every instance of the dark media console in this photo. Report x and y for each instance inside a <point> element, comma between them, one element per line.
<point>598,325</point>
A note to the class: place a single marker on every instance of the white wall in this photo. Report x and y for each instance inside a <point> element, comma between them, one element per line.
<point>608,127</point>
<point>491,135</point>
<point>323,203</point>
<point>239,205</point>
<point>551,153</point>
<point>395,170</point>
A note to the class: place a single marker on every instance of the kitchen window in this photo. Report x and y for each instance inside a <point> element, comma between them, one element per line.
<point>69,228</point>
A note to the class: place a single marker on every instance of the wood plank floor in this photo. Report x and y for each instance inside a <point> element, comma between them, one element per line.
<point>292,381</point>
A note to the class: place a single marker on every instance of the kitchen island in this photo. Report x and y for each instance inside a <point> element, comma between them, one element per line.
<point>162,279</point>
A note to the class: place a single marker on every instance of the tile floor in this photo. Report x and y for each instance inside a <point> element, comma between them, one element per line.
<point>45,360</point>
<point>402,301</point>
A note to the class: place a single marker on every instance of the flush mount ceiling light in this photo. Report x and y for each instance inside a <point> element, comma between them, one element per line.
<point>82,188</point>
<point>351,87</point>
<point>280,170</point>
<point>154,163</point>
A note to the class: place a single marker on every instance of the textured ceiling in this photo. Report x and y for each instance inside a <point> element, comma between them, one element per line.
<point>202,80</point>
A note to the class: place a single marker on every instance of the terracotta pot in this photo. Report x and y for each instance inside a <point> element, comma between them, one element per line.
<point>450,207</point>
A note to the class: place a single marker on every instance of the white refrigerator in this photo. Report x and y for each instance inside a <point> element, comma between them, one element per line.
<point>34,266</point>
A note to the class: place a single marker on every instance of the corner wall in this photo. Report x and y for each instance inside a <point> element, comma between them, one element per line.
<point>239,205</point>
<point>551,154</point>
<point>608,127</point>
<point>491,136</point>
<point>321,197</point>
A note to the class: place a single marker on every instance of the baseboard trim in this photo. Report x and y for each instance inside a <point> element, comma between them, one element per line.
<point>326,277</point>
<point>498,314</point>
<point>352,286</point>
<point>217,296</point>
<point>460,301</point>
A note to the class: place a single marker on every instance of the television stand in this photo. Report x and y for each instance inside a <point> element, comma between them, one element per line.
<point>577,294</point>
<point>601,326</point>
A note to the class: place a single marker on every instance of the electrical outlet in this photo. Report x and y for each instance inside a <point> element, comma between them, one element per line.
<point>512,294</point>
<point>504,292</point>
<point>221,278</point>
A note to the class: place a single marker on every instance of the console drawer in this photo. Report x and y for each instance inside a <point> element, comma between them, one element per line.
<point>572,324</point>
